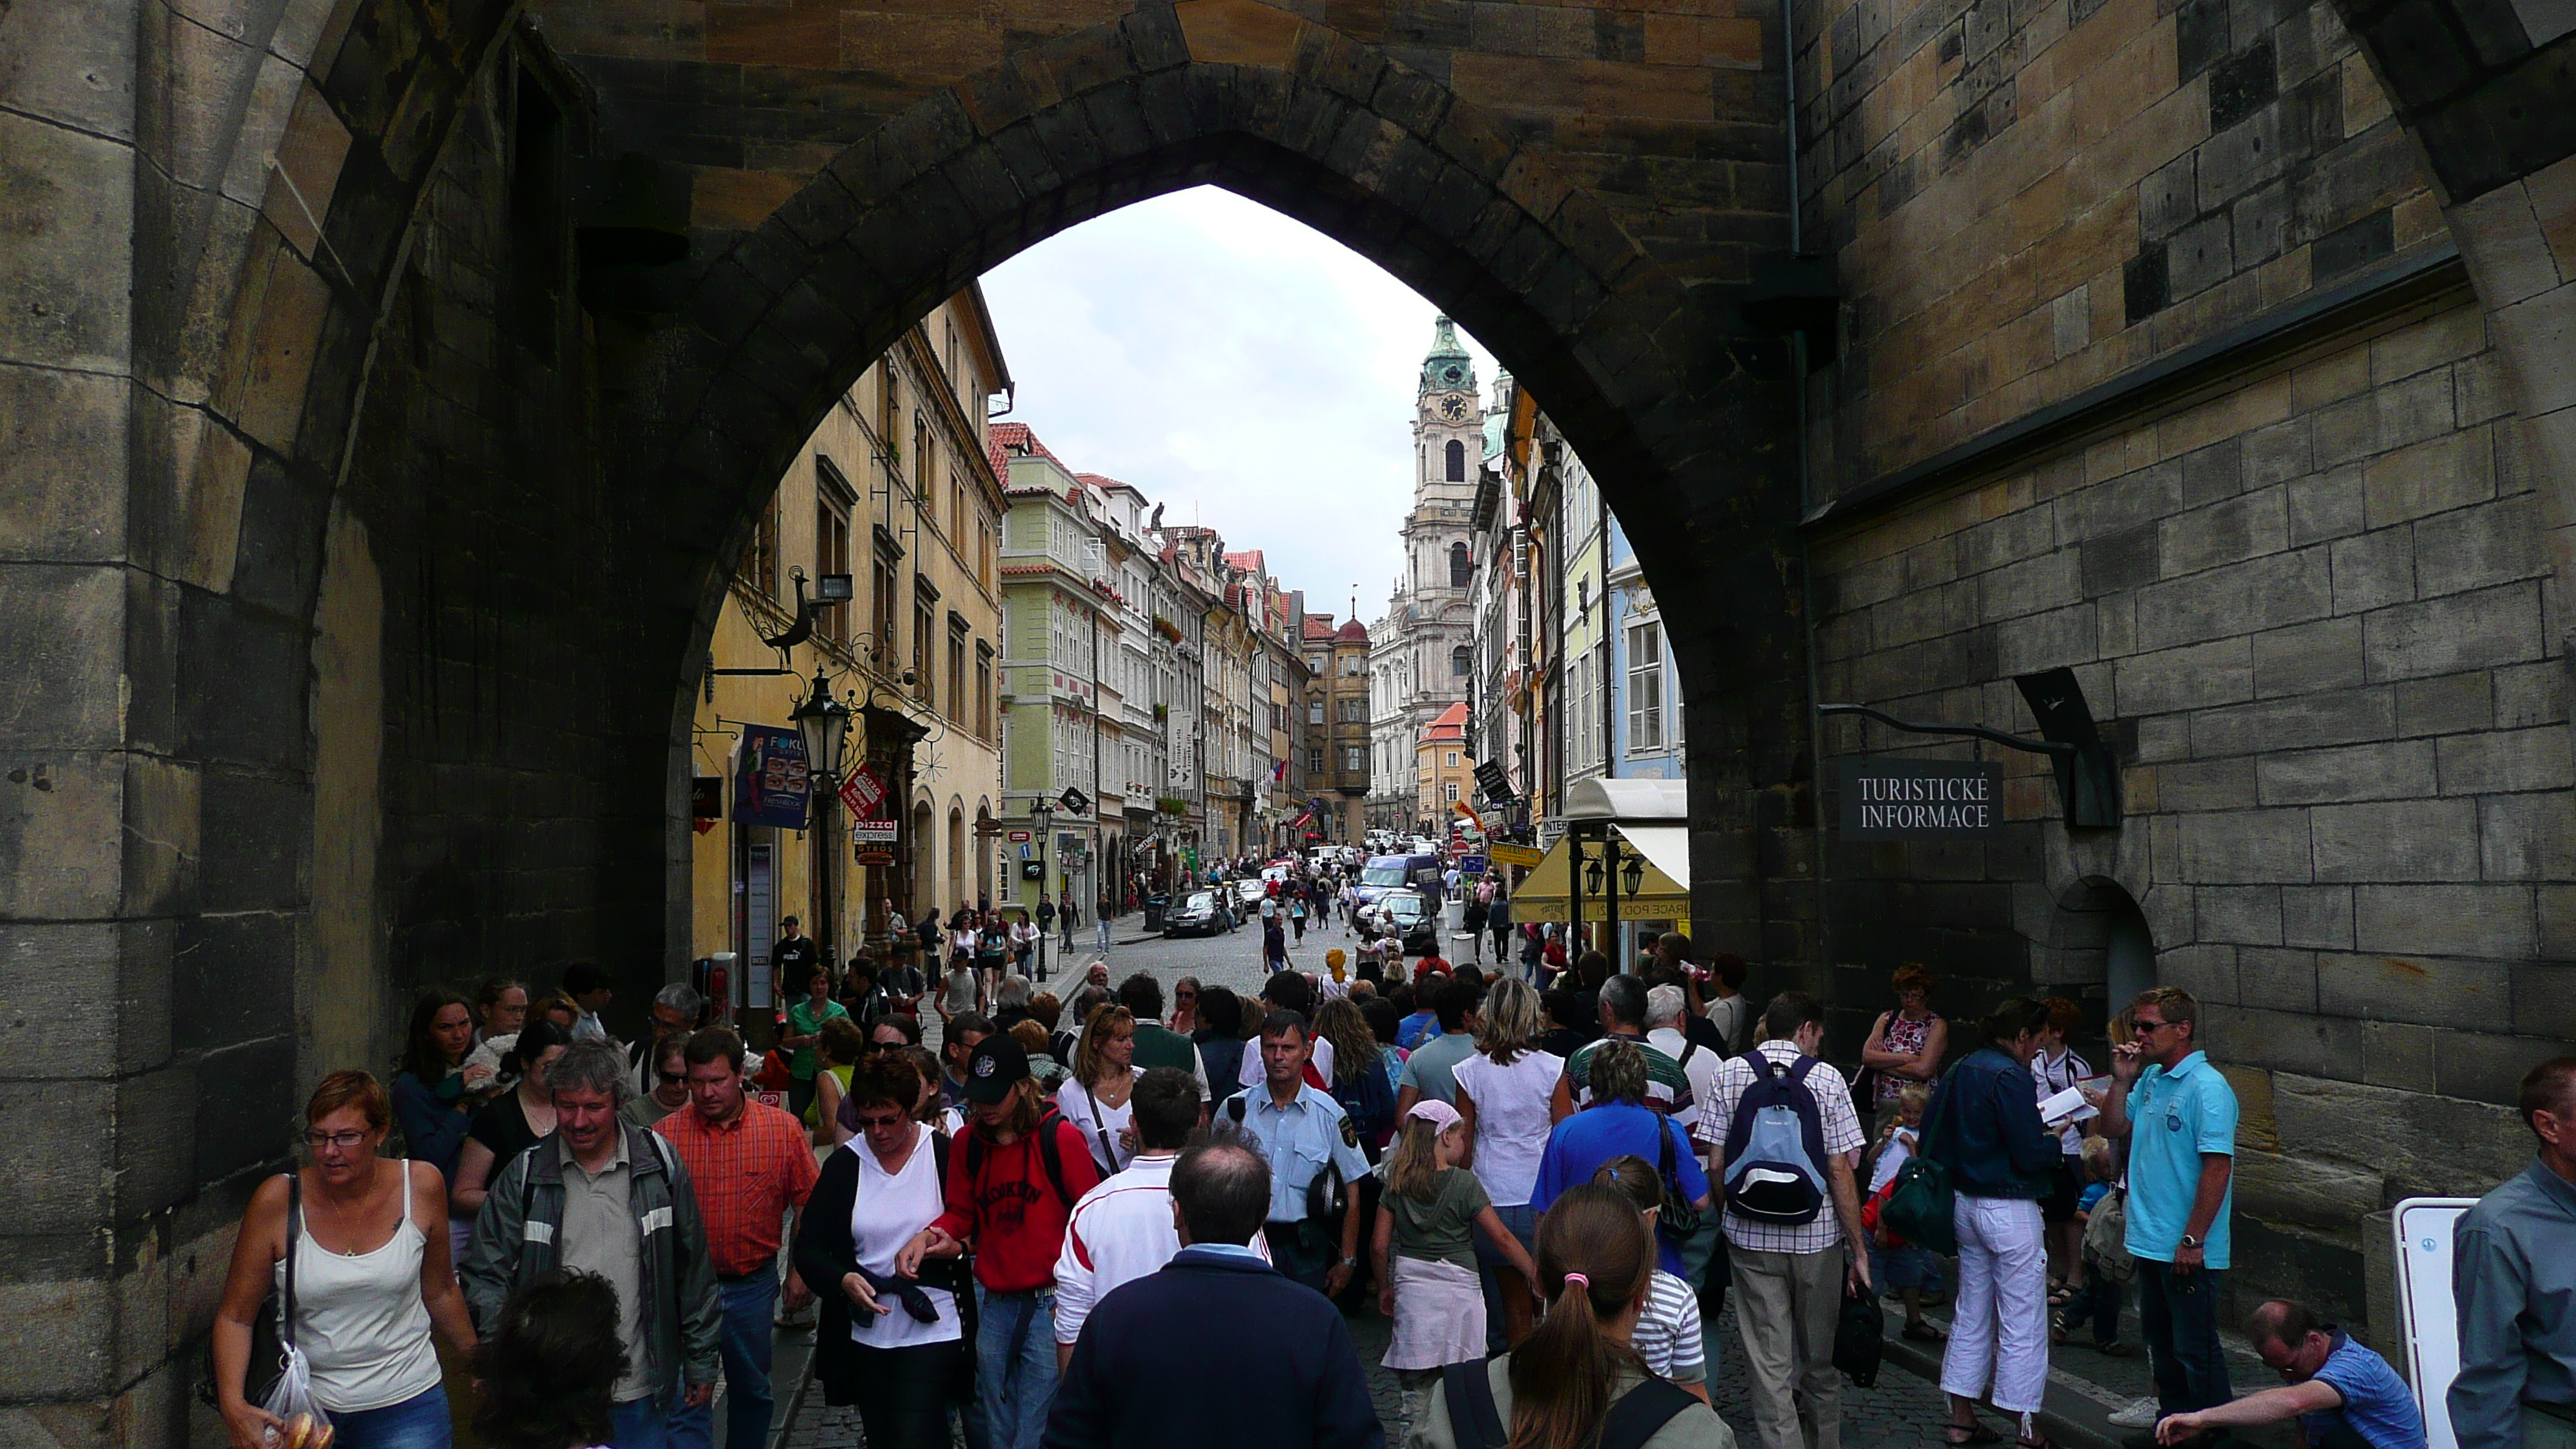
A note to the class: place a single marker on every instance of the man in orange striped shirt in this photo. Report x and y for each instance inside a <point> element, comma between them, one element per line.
<point>751,1165</point>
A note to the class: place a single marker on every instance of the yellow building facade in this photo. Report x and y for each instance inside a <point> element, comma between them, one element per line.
<point>896,490</point>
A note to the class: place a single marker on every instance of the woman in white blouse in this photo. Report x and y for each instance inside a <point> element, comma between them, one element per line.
<point>1104,1073</point>
<point>893,1347</point>
<point>1504,1094</point>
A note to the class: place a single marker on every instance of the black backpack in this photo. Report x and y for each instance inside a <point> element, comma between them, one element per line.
<point>1476,1423</point>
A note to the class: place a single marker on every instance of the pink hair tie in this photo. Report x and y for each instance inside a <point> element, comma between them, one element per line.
<point>1577,1280</point>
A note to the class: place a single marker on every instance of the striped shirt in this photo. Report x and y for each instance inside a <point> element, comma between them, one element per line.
<point>1667,1336</point>
<point>1667,1089</point>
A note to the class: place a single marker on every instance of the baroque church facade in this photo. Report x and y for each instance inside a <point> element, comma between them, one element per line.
<point>1421,658</point>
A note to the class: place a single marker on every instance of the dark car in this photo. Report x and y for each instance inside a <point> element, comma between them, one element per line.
<point>1199,914</point>
<point>1405,913</point>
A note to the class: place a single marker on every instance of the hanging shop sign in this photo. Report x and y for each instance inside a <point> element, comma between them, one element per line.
<point>773,787</point>
<point>1520,855</point>
<point>863,792</point>
<point>872,832</point>
<point>1927,800</point>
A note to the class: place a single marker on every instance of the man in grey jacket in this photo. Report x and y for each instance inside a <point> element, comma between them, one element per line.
<point>597,1196</point>
<point>2512,1279</point>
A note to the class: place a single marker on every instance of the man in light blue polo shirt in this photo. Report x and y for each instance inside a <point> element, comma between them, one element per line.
<point>1303,1134</point>
<point>2179,1117</point>
<point>2343,1395</point>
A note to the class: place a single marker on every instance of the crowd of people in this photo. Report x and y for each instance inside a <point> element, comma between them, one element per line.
<point>1548,1176</point>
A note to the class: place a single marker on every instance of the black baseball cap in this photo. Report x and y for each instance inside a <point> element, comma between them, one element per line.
<point>994,1066</point>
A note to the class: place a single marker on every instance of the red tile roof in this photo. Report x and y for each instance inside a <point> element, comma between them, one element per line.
<point>1353,632</point>
<point>1452,723</point>
<point>1004,439</point>
<point>1319,626</point>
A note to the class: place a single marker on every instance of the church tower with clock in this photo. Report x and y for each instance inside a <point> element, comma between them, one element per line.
<point>1421,658</point>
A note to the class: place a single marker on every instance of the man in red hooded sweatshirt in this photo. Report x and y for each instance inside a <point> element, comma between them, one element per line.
<point>1013,1179</point>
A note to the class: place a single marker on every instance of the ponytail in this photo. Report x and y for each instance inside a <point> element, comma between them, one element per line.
<point>1594,1256</point>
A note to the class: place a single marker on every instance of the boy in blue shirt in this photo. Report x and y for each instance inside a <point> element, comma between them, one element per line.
<point>2343,1395</point>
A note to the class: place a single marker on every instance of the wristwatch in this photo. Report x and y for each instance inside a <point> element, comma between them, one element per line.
<point>2189,1241</point>
<point>1350,1262</point>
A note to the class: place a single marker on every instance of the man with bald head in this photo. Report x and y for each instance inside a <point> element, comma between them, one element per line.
<point>1124,1385</point>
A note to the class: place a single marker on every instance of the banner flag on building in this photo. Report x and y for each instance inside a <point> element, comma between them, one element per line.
<point>772,785</point>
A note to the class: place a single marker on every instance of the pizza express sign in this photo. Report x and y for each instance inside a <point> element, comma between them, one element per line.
<point>1921,800</point>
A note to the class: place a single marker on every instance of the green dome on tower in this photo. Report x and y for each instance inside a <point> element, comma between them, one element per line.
<point>1447,366</point>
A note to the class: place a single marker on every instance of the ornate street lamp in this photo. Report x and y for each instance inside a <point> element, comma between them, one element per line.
<point>825,723</point>
<point>1633,874</point>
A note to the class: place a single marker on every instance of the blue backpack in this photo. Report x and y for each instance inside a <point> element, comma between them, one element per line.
<point>1775,1146</point>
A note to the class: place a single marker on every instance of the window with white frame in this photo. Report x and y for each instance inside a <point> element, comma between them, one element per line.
<point>1645,686</point>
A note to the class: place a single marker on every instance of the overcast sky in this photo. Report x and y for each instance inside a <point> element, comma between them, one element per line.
<point>1240,368</point>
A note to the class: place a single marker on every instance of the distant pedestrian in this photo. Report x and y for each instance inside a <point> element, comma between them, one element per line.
<point>368,1238</point>
<point>1100,921</point>
<point>2515,1286</point>
<point>1474,921</point>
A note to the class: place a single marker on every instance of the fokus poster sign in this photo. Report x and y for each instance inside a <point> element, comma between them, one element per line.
<point>1928,800</point>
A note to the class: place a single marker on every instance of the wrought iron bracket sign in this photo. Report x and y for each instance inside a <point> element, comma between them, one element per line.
<point>1942,800</point>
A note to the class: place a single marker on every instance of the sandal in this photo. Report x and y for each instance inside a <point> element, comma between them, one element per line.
<point>1965,1434</point>
<point>2034,1441</point>
<point>1920,1333</point>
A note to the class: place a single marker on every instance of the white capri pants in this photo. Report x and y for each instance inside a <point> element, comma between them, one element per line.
<point>1999,1326</point>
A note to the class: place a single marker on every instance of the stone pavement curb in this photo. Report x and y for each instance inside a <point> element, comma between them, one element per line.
<point>2072,1416</point>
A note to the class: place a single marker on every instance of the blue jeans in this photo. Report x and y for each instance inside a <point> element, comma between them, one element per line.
<point>639,1424</point>
<point>744,1342</point>
<point>1014,1365</point>
<point>2178,1316</point>
<point>419,1422</point>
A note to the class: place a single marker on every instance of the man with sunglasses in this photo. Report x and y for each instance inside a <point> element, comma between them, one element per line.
<point>2178,1115</point>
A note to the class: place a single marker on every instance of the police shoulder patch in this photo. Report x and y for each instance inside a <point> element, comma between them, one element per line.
<point>1350,1134</point>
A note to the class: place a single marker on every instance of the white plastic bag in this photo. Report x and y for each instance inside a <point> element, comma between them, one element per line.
<point>291,1403</point>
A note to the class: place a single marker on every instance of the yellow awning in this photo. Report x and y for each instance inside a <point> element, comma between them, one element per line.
<point>1543,894</point>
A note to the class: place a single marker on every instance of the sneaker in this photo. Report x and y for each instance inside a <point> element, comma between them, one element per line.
<point>2141,1414</point>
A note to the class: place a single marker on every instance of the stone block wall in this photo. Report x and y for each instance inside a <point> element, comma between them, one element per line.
<point>2316,611</point>
<point>2027,197</point>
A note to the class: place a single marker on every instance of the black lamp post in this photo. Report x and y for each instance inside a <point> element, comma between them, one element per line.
<point>825,723</point>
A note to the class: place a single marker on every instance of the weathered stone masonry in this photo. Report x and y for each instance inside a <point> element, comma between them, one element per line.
<point>376,441</point>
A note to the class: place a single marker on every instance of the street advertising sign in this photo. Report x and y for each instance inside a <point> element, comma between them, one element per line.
<point>1019,836</point>
<point>1925,800</point>
<point>2425,1310</point>
<point>863,792</point>
<point>1520,855</point>
<point>872,832</point>
<point>1073,801</point>
<point>1471,865</point>
<point>773,787</point>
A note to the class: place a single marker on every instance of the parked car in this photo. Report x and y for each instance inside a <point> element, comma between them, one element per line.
<point>1250,892</point>
<point>1405,913</point>
<point>1201,913</point>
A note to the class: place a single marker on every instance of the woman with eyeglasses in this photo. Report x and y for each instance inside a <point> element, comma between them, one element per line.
<point>372,1282</point>
<point>893,1346</point>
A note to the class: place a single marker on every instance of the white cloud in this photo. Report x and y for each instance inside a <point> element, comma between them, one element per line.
<point>1246,371</point>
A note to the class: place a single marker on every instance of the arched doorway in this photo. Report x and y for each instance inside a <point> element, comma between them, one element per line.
<point>2099,945</point>
<point>959,895</point>
<point>986,887</point>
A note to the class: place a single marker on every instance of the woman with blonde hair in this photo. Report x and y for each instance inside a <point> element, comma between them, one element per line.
<point>1504,1094</point>
<point>1095,1098</point>
<point>1559,1386</point>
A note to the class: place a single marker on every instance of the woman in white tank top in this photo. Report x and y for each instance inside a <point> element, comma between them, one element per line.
<point>372,1282</point>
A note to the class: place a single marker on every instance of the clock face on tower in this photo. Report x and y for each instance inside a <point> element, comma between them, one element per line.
<point>1454,407</point>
